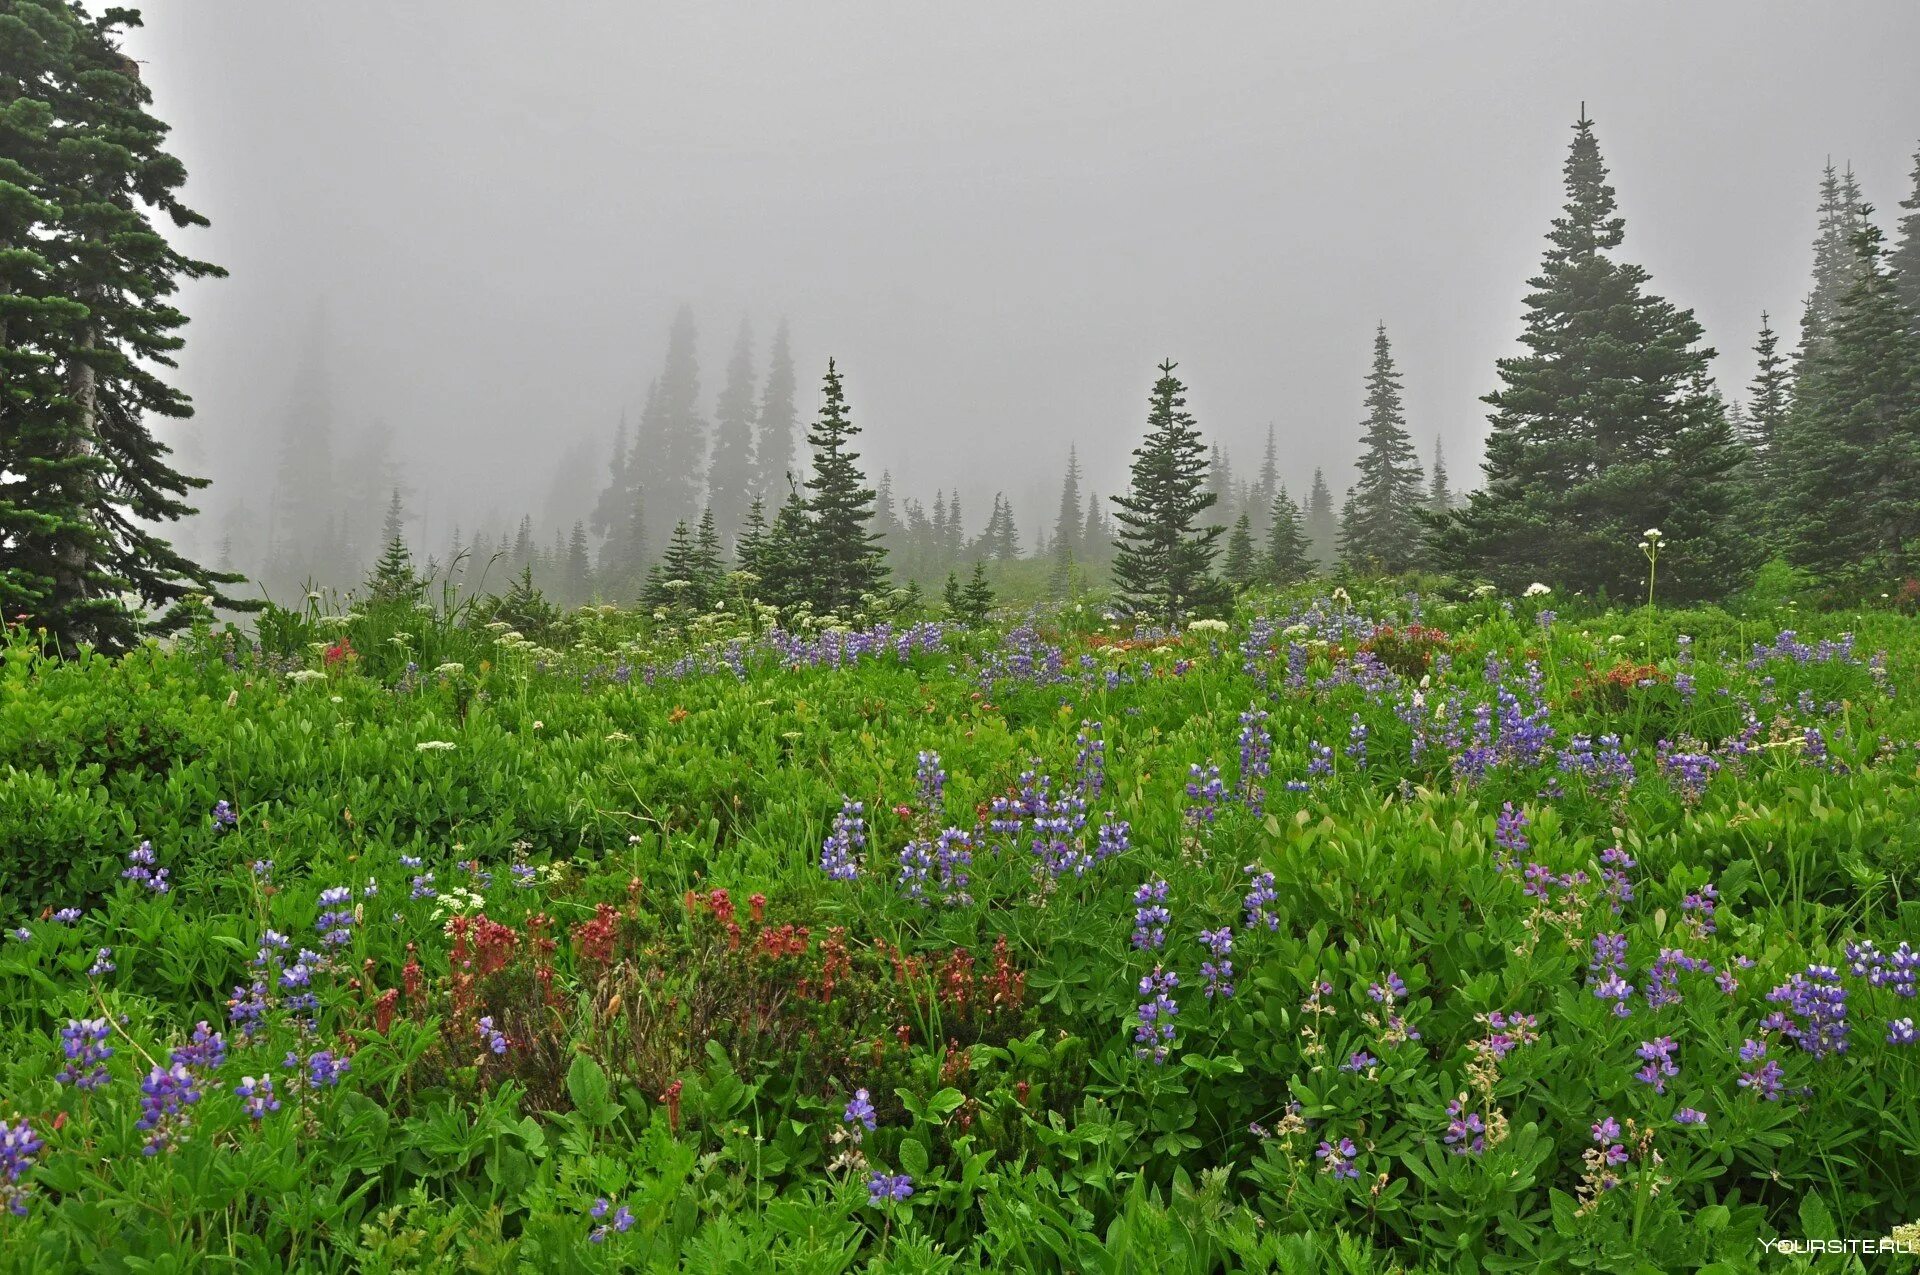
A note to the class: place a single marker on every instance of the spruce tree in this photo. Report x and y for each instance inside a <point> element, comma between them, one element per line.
<point>1321,528</point>
<point>393,578</point>
<point>85,333</point>
<point>1772,396</point>
<point>1904,260</point>
<point>845,561</point>
<point>1380,528</point>
<point>1606,427</point>
<point>673,435</point>
<point>1289,548</point>
<point>1834,261</point>
<point>1851,452</point>
<point>773,452</point>
<point>753,537</point>
<point>1266,486</point>
<point>1242,569</point>
<point>1439,491</point>
<point>1096,538</point>
<point>1164,562</point>
<point>1066,529</point>
<point>579,567</point>
<point>1067,521</point>
<point>674,583</point>
<point>730,474</point>
<point>977,599</point>
<point>710,560</point>
<point>619,516</point>
<point>954,597</point>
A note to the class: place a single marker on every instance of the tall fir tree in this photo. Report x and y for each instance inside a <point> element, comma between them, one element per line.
<point>1440,496</point>
<point>846,561</point>
<point>393,578</point>
<point>775,423</point>
<point>752,543</point>
<point>86,330</point>
<point>1266,486</point>
<point>1096,538</point>
<point>1606,427</point>
<point>1322,530</point>
<point>1851,451</point>
<point>1904,260</point>
<point>730,474</point>
<point>709,559</point>
<point>1834,261</point>
<point>1067,527</point>
<point>1289,548</point>
<point>579,567</point>
<point>619,516</point>
<point>673,435</point>
<point>675,582</point>
<point>1380,528</point>
<point>1164,561</point>
<point>1242,568</point>
<point>976,599</point>
<point>1771,393</point>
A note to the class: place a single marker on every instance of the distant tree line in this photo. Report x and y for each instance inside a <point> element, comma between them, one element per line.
<point>1605,424</point>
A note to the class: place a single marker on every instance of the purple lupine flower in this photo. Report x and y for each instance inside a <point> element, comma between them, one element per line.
<point>1150,915</point>
<point>1697,910</point>
<point>839,854</point>
<point>620,1222</point>
<point>492,1039</point>
<point>931,782</point>
<point>1817,999</point>
<point>223,817</point>
<point>1466,1131</point>
<point>1153,1037</point>
<point>257,1096</point>
<point>1205,792</point>
<point>1359,1060</point>
<point>1319,759</point>
<point>84,1042</point>
<point>19,1144</point>
<point>887,1188</point>
<point>66,916</point>
<point>1115,837</point>
<point>1090,765</point>
<point>1900,1031</point>
<point>859,1113</point>
<point>102,963</point>
<point>1688,1115</point>
<point>1338,1158</point>
<point>1395,989</point>
<point>207,1048</point>
<point>1260,893</point>
<point>1763,1079</point>
<point>335,923</point>
<point>1219,971</point>
<point>141,869</point>
<point>1357,742</point>
<point>423,887</point>
<point>1256,758</point>
<point>1657,1054</point>
<point>165,1095</point>
<point>1510,834</point>
<point>324,1069</point>
<point>1615,863</point>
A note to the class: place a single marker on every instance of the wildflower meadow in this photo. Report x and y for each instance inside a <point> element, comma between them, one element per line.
<point>1355,933</point>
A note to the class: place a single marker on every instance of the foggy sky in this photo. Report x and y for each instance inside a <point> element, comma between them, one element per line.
<point>997,217</point>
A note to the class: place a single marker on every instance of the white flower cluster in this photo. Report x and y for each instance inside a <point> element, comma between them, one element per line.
<point>1206,626</point>
<point>433,746</point>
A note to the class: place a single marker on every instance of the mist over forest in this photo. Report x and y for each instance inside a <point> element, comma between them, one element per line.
<point>457,252</point>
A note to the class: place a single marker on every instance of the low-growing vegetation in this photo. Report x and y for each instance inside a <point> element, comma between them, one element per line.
<point>1373,933</point>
